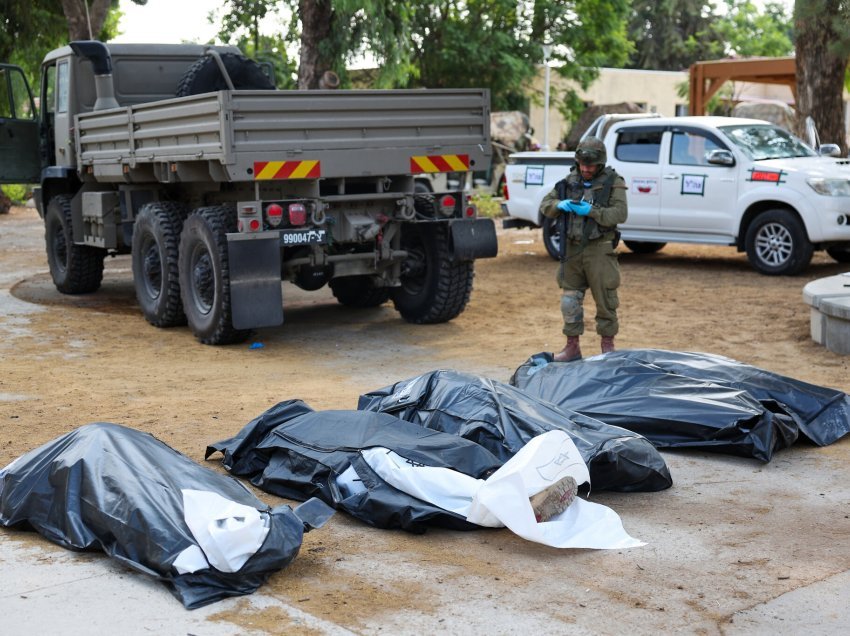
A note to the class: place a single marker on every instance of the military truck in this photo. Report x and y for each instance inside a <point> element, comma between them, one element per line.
<point>220,186</point>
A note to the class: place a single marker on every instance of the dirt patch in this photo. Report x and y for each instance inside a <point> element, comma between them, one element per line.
<point>717,544</point>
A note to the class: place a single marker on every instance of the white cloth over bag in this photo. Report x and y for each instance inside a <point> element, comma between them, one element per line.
<point>502,500</point>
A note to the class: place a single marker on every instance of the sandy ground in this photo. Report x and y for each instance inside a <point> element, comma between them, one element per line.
<point>731,539</point>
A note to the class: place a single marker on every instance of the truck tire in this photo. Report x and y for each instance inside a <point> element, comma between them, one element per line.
<point>204,76</point>
<point>839,254</point>
<point>359,291</point>
<point>205,275</point>
<point>552,237</point>
<point>156,243</point>
<point>75,269</point>
<point>644,247</point>
<point>434,287</point>
<point>777,244</point>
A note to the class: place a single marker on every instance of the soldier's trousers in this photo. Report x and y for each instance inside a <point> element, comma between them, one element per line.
<point>595,267</point>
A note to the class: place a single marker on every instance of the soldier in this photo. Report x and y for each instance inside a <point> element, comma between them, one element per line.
<point>589,204</point>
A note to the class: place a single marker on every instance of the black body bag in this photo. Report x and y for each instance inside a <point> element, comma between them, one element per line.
<point>110,488</point>
<point>503,419</point>
<point>293,451</point>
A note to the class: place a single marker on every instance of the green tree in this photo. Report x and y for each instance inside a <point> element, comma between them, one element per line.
<point>670,35</point>
<point>747,31</point>
<point>239,24</point>
<point>498,44</point>
<point>86,18</point>
<point>30,28</point>
<point>823,48</point>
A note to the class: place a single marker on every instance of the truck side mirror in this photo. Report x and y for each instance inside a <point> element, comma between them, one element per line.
<point>721,158</point>
<point>829,150</point>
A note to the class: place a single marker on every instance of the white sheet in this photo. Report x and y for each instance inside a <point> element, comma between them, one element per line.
<point>227,532</point>
<point>502,500</point>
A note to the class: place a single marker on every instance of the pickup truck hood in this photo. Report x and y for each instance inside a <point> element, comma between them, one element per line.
<point>811,166</point>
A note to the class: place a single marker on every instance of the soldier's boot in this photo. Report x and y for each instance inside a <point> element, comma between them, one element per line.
<point>554,499</point>
<point>607,344</point>
<point>570,352</point>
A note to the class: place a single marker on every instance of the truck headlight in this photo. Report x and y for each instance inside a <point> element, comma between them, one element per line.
<point>830,187</point>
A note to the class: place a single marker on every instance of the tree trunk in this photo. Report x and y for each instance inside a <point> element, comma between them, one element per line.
<point>79,19</point>
<point>820,69</point>
<point>316,16</point>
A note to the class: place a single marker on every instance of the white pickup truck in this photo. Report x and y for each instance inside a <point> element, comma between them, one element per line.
<point>712,180</point>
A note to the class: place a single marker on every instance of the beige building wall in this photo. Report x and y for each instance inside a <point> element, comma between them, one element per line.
<point>656,91</point>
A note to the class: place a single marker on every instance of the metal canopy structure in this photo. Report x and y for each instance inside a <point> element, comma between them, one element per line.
<point>706,78</point>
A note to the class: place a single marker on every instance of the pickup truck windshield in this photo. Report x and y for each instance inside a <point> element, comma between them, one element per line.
<point>767,142</point>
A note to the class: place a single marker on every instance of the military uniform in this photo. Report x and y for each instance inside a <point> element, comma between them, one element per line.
<point>589,258</point>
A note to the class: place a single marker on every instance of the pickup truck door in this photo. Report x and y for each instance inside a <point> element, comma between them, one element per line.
<point>19,149</point>
<point>637,155</point>
<point>696,197</point>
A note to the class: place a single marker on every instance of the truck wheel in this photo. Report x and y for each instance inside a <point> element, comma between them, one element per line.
<point>644,247</point>
<point>359,291</point>
<point>839,254</point>
<point>204,76</point>
<point>552,237</point>
<point>777,244</point>
<point>156,242</point>
<point>434,288</point>
<point>75,269</point>
<point>205,275</point>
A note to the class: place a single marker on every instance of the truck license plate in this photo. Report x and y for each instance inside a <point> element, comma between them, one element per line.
<point>290,238</point>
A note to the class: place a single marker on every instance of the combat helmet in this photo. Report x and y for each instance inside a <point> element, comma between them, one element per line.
<point>591,151</point>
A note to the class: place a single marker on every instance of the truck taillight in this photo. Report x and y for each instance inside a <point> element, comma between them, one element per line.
<point>470,210</point>
<point>447,205</point>
<point>274,213</point>
<point>505,191</point>
<point>248,219</point>
<point>297,214</point>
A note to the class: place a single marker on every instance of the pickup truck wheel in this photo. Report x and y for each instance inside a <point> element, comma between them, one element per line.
<point>75,269</point>
<point>156,242</point>
<point>434,287</point>
<point>777,244</point>
<point>204,76</point>
<point>644,247</point>
<point>205,275</point>
<point>839,254</point>
<point>359,291</point>
<point>552,237</point>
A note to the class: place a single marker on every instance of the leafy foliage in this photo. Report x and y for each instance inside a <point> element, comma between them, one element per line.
<point>673,34</point>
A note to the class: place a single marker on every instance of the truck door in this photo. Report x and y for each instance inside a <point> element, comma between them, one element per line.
<point>19,151</point>
<point>637,153</point>
<point>697,197</point>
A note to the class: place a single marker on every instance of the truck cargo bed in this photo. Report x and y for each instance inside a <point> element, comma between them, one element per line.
<point>248,135</point>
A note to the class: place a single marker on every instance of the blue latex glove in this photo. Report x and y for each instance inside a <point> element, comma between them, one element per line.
<point>582,208</point>
<point>565,206</point>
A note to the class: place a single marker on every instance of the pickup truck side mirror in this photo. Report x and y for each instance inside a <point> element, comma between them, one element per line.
<point>721,158</point>
<point>829,150</point>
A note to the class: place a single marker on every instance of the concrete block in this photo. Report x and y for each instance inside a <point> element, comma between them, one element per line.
<point>829,316</point>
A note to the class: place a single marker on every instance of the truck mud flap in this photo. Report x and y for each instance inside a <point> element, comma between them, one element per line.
<point>474,239</point>
<point>255,287</point>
